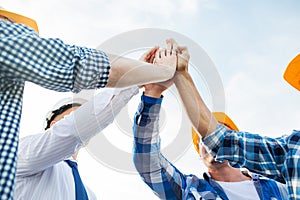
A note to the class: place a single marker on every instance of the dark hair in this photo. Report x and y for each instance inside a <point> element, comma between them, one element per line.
<point>59,111</point>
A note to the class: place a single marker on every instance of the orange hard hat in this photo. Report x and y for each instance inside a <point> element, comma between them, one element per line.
<point>292,73</point>
<point>20,19</point>
<point>222,118</point>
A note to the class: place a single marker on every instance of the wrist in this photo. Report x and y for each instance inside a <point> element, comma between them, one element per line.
<point>180,74</point>
<point>181,68</point>
<point>153,93</point>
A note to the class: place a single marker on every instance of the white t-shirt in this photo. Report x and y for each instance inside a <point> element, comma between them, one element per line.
<point>240,190</point>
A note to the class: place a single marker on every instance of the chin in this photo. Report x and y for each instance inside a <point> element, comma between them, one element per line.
<point>216,163</point>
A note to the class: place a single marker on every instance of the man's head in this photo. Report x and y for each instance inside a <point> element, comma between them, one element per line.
<point>59,113</point>
<point>292,73</point>
<point>16,18</point>
<point>207,159</point>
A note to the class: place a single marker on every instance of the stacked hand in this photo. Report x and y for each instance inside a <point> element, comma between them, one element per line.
<point>163,57</point>
<point>183,55</point>
<point>169,56</point>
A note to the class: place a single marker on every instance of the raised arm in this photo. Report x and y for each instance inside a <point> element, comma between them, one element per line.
<point>125,72</point>
<point>50,63</point>
<point>222,143</point>
<point>68,135</point>
<point>156,171</point>
<point>197,111</point>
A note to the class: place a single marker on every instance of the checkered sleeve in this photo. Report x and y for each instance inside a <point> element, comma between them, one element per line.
<point>275,158</point>
<point>156,171</point>
<point>291,169</point>
<point>263,155</point>
<point>50,63</point>
<point>10,115</point>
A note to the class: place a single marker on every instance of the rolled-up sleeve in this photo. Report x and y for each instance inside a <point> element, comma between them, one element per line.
<point>49,62</point>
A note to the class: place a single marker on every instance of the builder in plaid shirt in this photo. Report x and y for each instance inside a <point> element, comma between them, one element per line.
<point>276,158</point>
<point>24,56</point>
<point>221,182</point>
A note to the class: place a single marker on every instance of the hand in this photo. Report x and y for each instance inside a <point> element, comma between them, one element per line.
<point>156,89</point>
<point>183,55</point>
<point>162,57</point>
<point>165,57</point>
<point>149,55</point>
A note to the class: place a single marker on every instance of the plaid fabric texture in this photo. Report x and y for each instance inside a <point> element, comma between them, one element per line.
<point>276,158</point>
<point>50,63</point>
<point>166,181</point>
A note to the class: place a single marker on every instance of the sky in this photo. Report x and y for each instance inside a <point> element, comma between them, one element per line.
<point>249,42</point>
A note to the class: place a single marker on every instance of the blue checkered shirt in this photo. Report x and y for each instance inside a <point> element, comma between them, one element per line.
<point>166,181</point>
<point>276,158</point>
<point>50,63</point>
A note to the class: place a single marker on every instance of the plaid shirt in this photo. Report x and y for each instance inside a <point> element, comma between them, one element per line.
<point>50,63</point>
<point>276,158</point>
<point>166,180</point>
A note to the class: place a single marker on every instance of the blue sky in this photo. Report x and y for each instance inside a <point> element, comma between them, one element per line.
<point>250,43</point>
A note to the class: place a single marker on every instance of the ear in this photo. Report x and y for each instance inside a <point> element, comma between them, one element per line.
<point>52,123</point>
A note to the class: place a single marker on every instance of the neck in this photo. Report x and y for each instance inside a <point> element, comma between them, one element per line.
<point>75,156</point>
<point>227,174</point>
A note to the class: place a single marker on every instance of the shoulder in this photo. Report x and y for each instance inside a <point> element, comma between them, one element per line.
<point>16,29</point>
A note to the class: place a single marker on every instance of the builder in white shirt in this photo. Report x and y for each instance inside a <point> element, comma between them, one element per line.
<point>42,172</point>
<point>42,169</point>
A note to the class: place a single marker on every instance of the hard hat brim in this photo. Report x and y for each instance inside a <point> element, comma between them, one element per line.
<point>292,73</point>
<point>222,118</point>
<point>20,19</point>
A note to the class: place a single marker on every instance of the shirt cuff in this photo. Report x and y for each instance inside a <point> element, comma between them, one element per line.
<point>152,100</point>
<point>149,105</point>
<point>213,142</point>
<point>103,70</point>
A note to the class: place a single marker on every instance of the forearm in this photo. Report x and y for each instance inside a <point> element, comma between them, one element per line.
<point>68,135</point>
<point>157,172</point>
<point>198,113</point>
<point>146,137</point>
<point>96,115</point>
<point>125,72</point>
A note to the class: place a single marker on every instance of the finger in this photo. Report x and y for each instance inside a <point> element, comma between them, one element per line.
<point>146,56</point>
<point>182,48</point>
<point>175,46</point>
<point>151,60</point>
<point>154,49</point>
<point>185,52</point>
<point>170,52</point>
<point>152,52</point>
<point>157,55</point>
<point>169,45</point>
<point>164,52</point>
<point>173,43</point>
<point>174,52</point>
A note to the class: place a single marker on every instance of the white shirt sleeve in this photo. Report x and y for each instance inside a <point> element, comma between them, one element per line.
<point>67,136</point>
